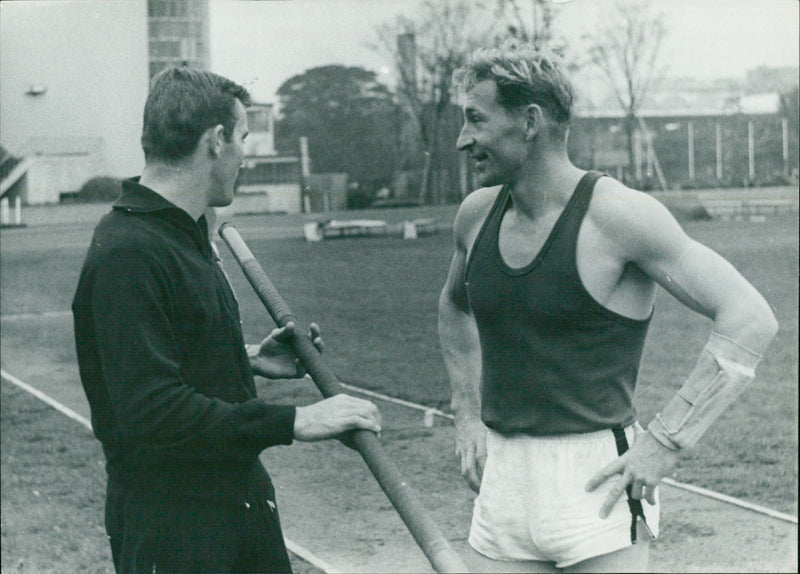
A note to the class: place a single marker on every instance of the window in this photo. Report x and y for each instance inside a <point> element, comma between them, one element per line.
<point>258,119</point>
<point>164,49</point>
<point>263,173</point>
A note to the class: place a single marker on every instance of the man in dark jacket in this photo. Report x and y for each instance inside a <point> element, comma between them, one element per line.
<point>163,360</point>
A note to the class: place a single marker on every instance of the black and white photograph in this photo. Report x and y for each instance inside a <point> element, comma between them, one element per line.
<point>385,286</point>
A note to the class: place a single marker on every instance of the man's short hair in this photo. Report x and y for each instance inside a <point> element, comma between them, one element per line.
<point>524,75</point>
<point>182,104</point>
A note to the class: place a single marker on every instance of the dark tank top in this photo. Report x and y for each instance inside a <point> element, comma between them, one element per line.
<point>554,360</point>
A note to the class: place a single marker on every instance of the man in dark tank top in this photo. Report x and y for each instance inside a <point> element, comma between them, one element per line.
<point>542,322</point>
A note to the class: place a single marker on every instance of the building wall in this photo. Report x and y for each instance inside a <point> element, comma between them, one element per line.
<point>261,123</point>
<point>269,198</point>
<point>179,34</point>
<point>91,59</point>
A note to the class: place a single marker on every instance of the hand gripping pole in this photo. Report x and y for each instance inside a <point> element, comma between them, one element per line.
<point>428,536</point>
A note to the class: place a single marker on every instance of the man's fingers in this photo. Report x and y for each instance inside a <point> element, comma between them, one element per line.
<point>283,334</point>
<point>613,496</point>
<point>467,457</point>
<point>335,415</point>
<point>315,335</point>
<point>603,475</point>
<point>473,478</point>
<point>642,491</point>
<point>469,466</point>
<point>365,415</point>
<point>637,489</point>
<point>361,422</point>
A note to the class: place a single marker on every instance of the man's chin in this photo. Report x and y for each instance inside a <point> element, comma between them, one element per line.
<point>488,180</point>
<point>221,201</point>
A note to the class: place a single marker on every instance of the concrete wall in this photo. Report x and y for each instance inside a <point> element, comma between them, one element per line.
<point>90,58</point>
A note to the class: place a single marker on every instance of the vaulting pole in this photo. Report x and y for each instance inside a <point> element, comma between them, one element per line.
<point>430,539</point>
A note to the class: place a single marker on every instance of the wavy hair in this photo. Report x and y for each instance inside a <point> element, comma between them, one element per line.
<point>524,75</point>
<point>182,104</point>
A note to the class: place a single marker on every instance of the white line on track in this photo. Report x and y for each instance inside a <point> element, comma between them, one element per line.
<point>731,500</point>
<point>47,399</point>
<point>41,315</point>
<point>293,547</point>
<point>389,399</point>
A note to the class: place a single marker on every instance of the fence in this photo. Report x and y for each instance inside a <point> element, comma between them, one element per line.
<point>692,151</point>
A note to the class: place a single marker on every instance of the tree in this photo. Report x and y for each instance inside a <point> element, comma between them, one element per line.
<point>348,116</point>
<point>626,48</point>
<point>532,23</point>
<point>425,52</point>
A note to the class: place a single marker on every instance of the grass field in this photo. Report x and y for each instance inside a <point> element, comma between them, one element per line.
<point>376,302</point>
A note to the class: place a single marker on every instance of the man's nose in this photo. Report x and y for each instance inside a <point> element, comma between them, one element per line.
<point>464,140</point>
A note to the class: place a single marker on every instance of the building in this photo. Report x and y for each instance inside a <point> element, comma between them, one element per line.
<point>267,181</point>
<point>692,133</point>
<point>75,77</point>
<point>71,92</point>
<point>178,34</point>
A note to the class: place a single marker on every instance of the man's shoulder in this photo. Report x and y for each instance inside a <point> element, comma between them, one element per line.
<point>483,195</point>
<point>120,234</point>
<point>609,187</point>
<point>614,202</point>
<point>116,227</point>
<point>631,219</point>
<point>475,207</point>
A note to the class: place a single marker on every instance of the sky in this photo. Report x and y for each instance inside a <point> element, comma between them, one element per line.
<point>261,44</point>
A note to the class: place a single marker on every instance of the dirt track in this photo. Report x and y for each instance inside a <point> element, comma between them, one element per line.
<point>332,507</point>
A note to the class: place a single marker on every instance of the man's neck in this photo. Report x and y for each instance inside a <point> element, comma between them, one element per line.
<point>183,185</point>
<point>546,182</point>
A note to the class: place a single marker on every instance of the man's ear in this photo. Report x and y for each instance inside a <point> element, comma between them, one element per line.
<point>534,120</point>
<point>215,139</point>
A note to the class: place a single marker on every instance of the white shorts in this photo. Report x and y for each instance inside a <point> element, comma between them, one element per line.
<point>533,504</point>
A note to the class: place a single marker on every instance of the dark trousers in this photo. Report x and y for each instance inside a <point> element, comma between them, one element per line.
<point>160,533</point>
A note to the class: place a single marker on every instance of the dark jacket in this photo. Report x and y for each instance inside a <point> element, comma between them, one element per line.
<point>162,356</point>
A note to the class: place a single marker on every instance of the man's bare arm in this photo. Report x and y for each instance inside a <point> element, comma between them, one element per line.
<point>458,335</point>
<point>743,326</point>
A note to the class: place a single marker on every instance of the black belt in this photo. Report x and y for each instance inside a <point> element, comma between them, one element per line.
<point>634,504</point>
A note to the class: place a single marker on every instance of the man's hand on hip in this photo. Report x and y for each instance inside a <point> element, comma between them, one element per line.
<point>643,467</point>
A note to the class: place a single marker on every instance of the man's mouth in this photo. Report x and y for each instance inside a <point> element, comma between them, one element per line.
<point>480,157</point>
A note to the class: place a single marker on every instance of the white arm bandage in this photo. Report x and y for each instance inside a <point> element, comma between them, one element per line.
<point>722,372</point>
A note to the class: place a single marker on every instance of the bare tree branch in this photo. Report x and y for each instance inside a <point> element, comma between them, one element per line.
<point>444,34</point>
<point>626,49</point>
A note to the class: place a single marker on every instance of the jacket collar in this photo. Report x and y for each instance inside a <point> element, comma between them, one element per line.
<point>138,198</point>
